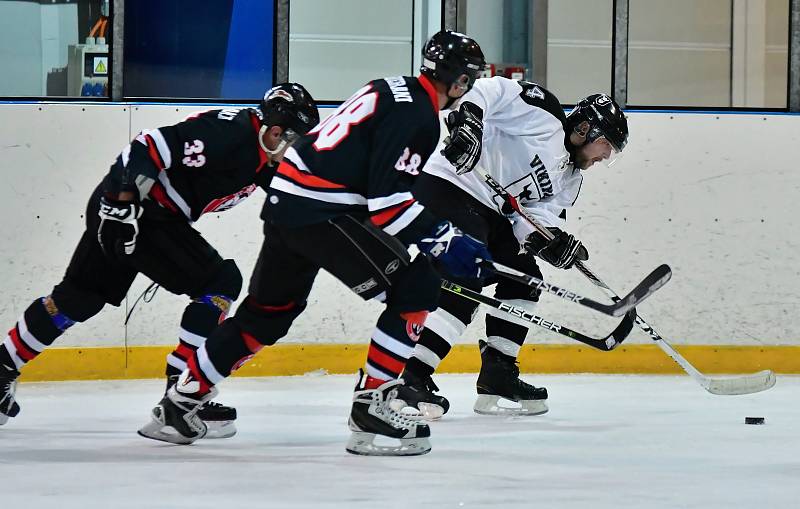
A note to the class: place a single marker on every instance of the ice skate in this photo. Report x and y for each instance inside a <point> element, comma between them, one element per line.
<point>8,386</point>
<point>372,418</point>
<point>499,379</point>
<point>175,418</point>
<point>219,418</point>
<point>416,399</point>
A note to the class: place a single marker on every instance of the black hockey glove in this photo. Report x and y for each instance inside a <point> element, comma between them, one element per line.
<point>463,147</point>
<point>458,254</point>
<point>562,251</point>
<point>118,226</point>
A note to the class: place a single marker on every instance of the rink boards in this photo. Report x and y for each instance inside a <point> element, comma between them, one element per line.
<point>710,194</point>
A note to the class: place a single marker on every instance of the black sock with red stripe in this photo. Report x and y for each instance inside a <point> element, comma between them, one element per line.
<point>225,350</point>
<point>198,321</point>
<point>38,327</point>
<point>391,345</point>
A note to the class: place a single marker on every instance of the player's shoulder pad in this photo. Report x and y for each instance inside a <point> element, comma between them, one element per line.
<point>539,97</point>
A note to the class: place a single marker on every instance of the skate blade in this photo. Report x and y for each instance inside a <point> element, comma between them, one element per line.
<point>363,444</point>
<point>425,412</point>
<point>220,429</point>
<point>157,430</point>
<point>3,419</point>
<point>489,404</point>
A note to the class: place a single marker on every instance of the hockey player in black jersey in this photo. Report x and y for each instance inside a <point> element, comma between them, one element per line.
<point>341,201</point>
<point>139,220</point>
<point>537,153</point>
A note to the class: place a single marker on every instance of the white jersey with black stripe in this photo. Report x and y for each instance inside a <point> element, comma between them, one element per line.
<point>523,150</point>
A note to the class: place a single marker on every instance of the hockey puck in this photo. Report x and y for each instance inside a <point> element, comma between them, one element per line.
<point>754,420</point>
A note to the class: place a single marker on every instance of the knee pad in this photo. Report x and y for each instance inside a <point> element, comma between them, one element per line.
<point>227,281</point>
<point>223,289</point>
<point>69,303</point>
<point>267,323</point>
<point>415,288</point>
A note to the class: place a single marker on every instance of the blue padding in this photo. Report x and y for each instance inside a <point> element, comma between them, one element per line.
<point>60,320</point>
<point>248,63</point>
<point>221,302</point>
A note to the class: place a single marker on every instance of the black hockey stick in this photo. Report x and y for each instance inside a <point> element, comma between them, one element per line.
<point>649,285</point>
<point>522,315</point>
<point>746,384</point>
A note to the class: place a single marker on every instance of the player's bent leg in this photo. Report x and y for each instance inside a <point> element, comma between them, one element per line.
<point>39,326</point>
<point>375,415</point>
<point>200,317</point>
<point>375,266</point>
<point>442,328</point>
<point>500,389</point>
<point>175,419</point>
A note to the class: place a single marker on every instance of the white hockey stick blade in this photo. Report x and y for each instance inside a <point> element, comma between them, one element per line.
<point>735,386</point>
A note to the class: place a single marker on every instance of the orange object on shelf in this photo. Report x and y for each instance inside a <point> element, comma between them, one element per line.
<point>514,72</point>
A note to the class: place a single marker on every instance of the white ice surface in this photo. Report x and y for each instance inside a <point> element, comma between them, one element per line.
<point>608,442</point>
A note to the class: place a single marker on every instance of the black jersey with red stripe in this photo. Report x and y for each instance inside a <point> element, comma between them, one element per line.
<point>208,163</point>
<point>362,160</point>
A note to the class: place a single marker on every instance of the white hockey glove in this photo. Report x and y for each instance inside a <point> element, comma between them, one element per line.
<point>118,226</point>
<point>562,251</point>
<point>463,147</point>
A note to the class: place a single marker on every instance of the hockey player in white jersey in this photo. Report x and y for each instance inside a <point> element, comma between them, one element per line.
<point>536,153</point>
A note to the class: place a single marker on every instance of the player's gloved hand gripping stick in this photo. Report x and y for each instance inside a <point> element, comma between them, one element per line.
<point>463,146</point>
<point>561,249</point>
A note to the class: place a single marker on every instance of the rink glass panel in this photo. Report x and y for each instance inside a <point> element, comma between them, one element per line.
<point>44,51</point>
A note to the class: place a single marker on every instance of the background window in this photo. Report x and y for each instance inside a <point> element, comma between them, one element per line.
<point>216,49</point>
<point>337,46</point>
<point>719,53</point>
<point>505,31</point>
<point>579,52</point>
<point>40,52</point>
<point>679,53</point>
<point>564,45</point>
<point>760,53</point>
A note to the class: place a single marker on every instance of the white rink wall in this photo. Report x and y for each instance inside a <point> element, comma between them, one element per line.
<point>713,195</point>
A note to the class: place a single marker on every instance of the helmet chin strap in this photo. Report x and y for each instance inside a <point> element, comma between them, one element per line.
<point>271,153</point>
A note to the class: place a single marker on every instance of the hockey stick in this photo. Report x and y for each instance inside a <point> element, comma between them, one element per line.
<point>524,317</point>
<point>746,384</point>
<point>649,285</point>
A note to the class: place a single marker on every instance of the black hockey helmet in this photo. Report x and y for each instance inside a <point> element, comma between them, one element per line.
<point>605,119</point>
<point>289,105</point>
<point>452,58</point>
